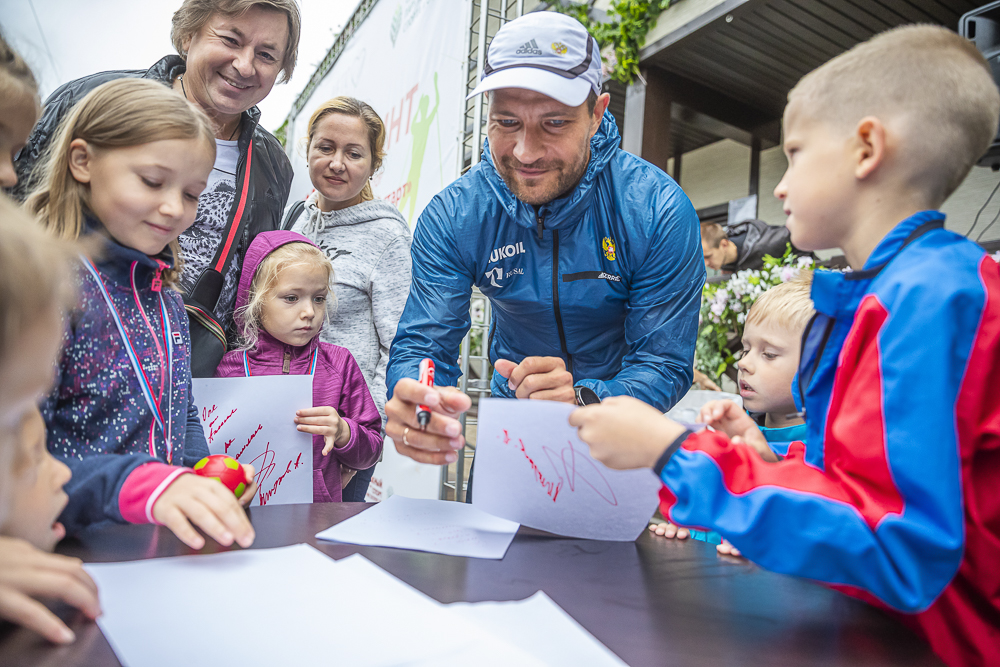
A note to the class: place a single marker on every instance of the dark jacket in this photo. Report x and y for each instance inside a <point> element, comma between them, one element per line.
<point>97,420</point>
<point>760,239</point>
<point>270,175</point>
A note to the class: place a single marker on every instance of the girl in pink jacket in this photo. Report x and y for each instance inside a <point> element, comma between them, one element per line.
<point>281,305</point>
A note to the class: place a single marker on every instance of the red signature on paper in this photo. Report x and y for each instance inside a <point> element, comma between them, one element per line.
<point>207,412</point>
<point>266,468</point>
<point>249,440</point>
<point>213,430</point>
<point>588,472</point>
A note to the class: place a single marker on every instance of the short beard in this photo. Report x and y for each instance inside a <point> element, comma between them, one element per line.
<point>566,180</point>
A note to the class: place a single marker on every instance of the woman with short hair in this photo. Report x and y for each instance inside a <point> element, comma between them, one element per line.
<point>230,54</point>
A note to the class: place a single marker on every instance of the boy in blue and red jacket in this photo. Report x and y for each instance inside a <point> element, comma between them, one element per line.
<point>894,498</point>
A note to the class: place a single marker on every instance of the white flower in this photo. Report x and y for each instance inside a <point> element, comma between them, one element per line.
<point>737,307</point>
<point>805,262</point>
<point>765,275</point>
<point>721,296</point>
<point>718,309</point>
<point>788,273</point>
<point>741,318</point>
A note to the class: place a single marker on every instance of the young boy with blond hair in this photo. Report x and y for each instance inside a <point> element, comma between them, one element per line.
<point>771,339</point>
<point>893,497</point>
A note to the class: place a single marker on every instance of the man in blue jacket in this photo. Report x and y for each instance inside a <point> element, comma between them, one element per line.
<point>590,256</point>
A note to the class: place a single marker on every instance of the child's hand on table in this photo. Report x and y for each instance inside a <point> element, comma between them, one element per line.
<point>669,530</point>
<point>27,572</point>
<point>208,505</point>
<point>324,421</point>
<point>729,418</point>
<point>625,433</point>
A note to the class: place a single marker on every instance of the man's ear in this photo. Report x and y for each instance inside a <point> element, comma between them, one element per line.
<point>81,159</point>
<point>869,146</point>
<point>603,100</point>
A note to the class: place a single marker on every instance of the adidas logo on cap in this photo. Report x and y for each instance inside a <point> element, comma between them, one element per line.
<point>529,49</point>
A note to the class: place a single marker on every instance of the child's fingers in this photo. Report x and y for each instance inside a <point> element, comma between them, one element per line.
<point>317,430</point>
<point>73,569</point>
<point>727,549</point>
<point>327,420</point>
<point>318,411</point>
<point>178,524</point>
<point>248,495</point>
<point>48,579</point>
<point>201,512</point>
<point>22,610</point>
<point>328,447</point>
<point>225,509</point>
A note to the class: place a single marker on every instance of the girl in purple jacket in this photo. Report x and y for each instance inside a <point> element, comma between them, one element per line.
<point>281,305</point>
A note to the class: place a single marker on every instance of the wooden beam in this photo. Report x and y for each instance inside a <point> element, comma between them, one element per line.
<point>647,120</point>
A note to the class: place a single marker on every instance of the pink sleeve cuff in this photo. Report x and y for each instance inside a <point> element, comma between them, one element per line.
<point>143,487</point>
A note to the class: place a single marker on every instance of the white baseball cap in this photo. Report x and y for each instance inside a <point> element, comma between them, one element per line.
<point>546,52</point>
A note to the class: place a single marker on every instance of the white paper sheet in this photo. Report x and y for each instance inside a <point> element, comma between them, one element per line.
<point>252,420</point>
<point>532,468</point>
<point>541,628</point>
<point>437,526</point>
<point>281,606</point>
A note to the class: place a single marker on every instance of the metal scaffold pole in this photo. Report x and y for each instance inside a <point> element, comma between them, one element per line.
<point>485,19</point>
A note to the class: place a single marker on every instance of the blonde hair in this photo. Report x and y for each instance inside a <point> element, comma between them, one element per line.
<point>194,14</point>
<point>16,77</point>
<point>34,273</point>
<point>933,80</point>
<point>354,108</point>
<point>118,114</point>
<point>249,318</point>
<point>787,305</point>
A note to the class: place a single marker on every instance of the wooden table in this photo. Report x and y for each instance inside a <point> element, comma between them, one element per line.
<point>653,602</point>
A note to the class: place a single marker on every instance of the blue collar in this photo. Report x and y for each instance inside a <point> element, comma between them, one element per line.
<point>838,294</point>
<point>114,260</point>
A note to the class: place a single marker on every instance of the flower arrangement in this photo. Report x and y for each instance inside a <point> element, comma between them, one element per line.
<point>724,309</point>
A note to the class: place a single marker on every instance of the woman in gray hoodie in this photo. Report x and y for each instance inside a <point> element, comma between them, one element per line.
<point>366,239</point>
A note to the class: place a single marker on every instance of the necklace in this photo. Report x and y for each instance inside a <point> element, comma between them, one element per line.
<point>239,124</point>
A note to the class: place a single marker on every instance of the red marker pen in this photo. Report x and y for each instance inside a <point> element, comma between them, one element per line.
<point>426,379</point>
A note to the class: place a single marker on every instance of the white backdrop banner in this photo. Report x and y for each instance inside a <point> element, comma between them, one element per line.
<point>406,61</point>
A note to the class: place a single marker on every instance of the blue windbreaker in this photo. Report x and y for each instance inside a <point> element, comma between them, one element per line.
<point>608,277</point>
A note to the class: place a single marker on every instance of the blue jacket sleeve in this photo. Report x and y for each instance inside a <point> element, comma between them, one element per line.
<point>664,299</point>
<point>93,490</point>
<point>436,315</point>
<point>881,508</point>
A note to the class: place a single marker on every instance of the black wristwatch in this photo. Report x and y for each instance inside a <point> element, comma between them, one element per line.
<point>586,396</point>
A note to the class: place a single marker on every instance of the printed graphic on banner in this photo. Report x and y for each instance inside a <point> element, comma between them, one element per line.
<point>405,80</point>
<point>251,420</point>
<point>532,468</point>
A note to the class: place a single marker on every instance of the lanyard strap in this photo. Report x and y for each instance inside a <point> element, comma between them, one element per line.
<point>140,374</point>
<point>312,367</point>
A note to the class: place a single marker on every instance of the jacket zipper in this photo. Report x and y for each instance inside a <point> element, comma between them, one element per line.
<point>286,364</point>
<point>555,295</point>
